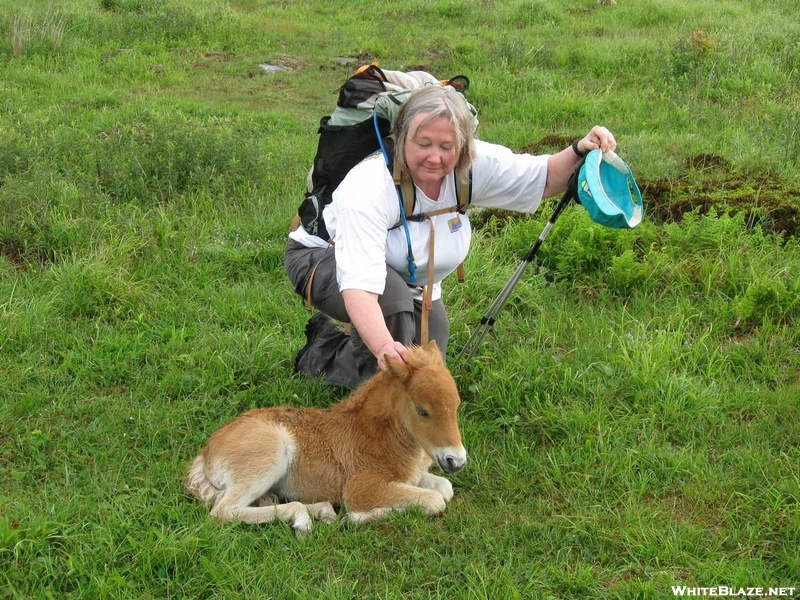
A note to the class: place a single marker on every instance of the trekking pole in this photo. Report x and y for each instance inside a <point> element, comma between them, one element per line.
<point>488,319</point>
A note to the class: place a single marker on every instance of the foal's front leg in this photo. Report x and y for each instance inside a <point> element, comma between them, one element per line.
<point>435,482</point>
<point>321,511</point>
<point>369,498</point>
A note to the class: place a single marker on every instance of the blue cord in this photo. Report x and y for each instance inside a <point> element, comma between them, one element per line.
<point>412,265</point>
<point>380,137</point>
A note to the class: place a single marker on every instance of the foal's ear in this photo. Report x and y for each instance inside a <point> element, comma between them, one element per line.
<point>433,349</point>
<point>397,368</point>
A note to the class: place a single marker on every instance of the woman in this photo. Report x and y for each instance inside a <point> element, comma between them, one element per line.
<point>363,278</point>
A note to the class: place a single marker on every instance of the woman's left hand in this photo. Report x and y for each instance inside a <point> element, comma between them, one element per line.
<point>560,166</point>
<point>598,137</point>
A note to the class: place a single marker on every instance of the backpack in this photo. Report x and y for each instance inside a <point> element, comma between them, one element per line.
<point>359,126</point>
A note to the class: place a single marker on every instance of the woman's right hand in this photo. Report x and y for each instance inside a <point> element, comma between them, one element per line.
<point>394,351</point>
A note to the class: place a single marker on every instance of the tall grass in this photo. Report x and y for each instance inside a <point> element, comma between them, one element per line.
<point>632,421</point>
<point>46,35</point>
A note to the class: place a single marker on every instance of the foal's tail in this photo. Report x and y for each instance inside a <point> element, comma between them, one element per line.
<point>198,484</point>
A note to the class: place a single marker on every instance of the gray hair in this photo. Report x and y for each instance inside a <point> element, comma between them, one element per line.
<point>437,101</point>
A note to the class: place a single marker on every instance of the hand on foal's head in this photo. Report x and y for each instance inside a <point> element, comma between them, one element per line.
<point>401,368</point>
<point>391,351</point>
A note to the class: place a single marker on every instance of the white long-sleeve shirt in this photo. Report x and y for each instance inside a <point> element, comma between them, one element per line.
<point>365,207</point>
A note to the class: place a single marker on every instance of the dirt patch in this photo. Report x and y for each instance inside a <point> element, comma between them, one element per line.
<point>706,161</point>
<point>19,255</point>
<point>549,144</point>
<point>28,243</point>
<point>709,182</point>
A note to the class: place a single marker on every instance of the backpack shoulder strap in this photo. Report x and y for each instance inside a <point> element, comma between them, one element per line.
<point>463,199</point>
<point>405,190</point>
<point>463,190</point>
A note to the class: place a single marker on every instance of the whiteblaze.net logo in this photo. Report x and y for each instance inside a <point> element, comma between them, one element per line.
<point>732,592</point>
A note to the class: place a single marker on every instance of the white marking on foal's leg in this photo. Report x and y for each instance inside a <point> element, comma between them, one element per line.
<point>297,514</point>
<point>321,511</point>
<point>294,513</point>
<point>442,485</point>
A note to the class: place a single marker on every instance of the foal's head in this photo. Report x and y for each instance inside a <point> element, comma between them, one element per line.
<point>429,402</point>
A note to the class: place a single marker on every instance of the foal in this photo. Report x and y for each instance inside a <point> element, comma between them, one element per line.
<point>372,452</point>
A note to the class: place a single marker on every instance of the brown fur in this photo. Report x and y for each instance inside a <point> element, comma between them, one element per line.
<point>370,452</point>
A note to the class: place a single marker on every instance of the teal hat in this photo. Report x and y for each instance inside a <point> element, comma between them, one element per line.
<point>608,191</point>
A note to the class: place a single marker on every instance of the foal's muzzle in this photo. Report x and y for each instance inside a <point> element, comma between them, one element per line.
<point>451,460</point>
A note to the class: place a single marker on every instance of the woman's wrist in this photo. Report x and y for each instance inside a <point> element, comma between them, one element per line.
<point>577,149</point>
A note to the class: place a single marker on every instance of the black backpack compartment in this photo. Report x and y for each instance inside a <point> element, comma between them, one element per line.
<point>340,148</point>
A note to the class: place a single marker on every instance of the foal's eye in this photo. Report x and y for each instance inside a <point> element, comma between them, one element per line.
<point>421,411</point>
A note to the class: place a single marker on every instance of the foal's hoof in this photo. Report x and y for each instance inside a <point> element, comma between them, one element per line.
<point>351,520</point>
<point>327,518</point>
<point>434,506</point>
<point>323,511</point>
<point>345,520</point>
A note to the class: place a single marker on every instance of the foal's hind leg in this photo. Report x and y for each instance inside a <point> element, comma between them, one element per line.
<point>245,465</point>
<point>294,513</point>
<point>245,502</point>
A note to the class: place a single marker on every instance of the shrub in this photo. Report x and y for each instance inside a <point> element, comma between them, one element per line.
<point>626,273</point>
<point>691,54</point>
<point>768,298</point>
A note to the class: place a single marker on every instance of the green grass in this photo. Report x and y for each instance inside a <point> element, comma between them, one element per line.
<point>632,421</point>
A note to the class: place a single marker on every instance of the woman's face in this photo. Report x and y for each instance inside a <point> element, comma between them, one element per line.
<point>431,151</point>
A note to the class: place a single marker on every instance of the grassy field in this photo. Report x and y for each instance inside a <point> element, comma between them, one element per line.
<point>633,422</point>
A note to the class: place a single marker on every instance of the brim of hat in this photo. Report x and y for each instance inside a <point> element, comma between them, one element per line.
<point>613,193</point>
